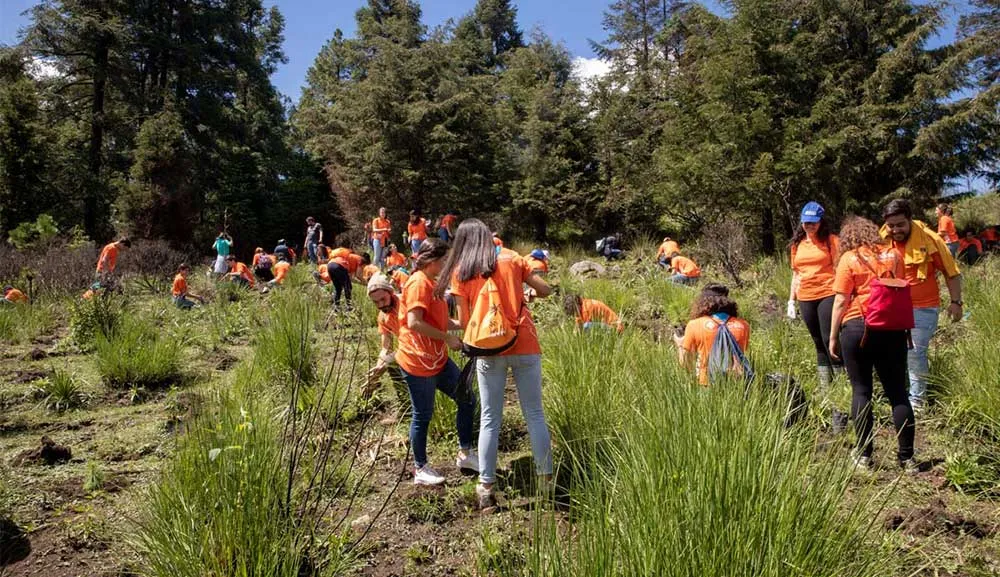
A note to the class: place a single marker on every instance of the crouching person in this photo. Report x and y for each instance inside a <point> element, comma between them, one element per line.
<point>182,297</point>
<point>716,336</point>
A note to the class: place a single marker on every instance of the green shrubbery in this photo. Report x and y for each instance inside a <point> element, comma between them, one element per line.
<point>21,324</point>
<point>97,317</point>
<point>136,354</point>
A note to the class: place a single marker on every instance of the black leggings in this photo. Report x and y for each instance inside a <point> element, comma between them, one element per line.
<point>817,315</point>
<point>885,352</point>
<point>341,280</point>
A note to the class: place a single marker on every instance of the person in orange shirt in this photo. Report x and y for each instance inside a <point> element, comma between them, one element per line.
<point>990,238</point>
<point>381,231</point>
<point>591,313</point>
<point>416,231</point>
<point>946,228</point>
<point>180,289</point>
<point>368,272</point>
<point>108,261</point>
<point>239,272</point>
<point>969,248</point>
<point>497,242</point>
<point>13,296</point>
<point>383,295</point>
<point>667,248</point>
<point>924,254</point>
<point>815,252</point>
<point>538,260</point>
<point>394,258</point>
<point>686,272</point>
<point>473,259</point>
<point>281,269</point>
<point>712,310</point>
<point>446,227</point>
<point>864,256</point>
<point>399,276</point>
<point>422,356</point>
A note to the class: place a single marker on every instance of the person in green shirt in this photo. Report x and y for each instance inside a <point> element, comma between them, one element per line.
<point>223,246</point>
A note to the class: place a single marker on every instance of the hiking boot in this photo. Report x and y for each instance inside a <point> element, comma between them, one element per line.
<point>427,476</point>
<point>469,463</point>
<point>486,500</point>
<point>860,461</point>
<point>910,466</point>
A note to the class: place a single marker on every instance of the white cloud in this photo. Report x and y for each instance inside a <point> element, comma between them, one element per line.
<point>590,68</point>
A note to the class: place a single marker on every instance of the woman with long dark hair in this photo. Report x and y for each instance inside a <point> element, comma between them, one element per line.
<point>474,259</point>
<point>422,355</point>
<point>866,258</point>
<point>815,252</point>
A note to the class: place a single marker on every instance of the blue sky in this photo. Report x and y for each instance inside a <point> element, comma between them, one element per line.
<point>310,23</point>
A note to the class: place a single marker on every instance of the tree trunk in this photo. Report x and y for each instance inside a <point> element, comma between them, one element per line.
<point>767,241</point>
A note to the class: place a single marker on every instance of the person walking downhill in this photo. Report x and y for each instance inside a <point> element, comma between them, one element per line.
<point>815,252</point>
<point>422,355</point>
<point>381,230</point>
<point>314,238</point>
<point>416,231</point>
<point>924,254</point>
<point>871,317</point>
<point>474,268</point>
<point>946,228</point>
<point>223,246</point>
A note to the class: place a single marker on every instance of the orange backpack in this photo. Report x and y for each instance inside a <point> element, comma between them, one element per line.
<point>489,331</point>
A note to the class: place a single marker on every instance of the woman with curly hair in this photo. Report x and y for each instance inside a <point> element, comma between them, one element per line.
<point>712,310</point>
<point>864,258</point>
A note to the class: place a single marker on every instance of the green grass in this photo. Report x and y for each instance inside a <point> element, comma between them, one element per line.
<point>60,392</point>
<point>21,324</point>
<point>137,355</point>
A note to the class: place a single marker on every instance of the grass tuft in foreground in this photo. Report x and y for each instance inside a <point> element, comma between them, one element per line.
<point>137,355</point>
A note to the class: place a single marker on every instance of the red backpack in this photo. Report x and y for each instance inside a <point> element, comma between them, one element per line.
<point>889,306</point>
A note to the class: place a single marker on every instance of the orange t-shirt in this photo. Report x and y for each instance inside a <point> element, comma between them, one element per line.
<point>539,266</point>
<point>417,354</point>
<point>180,287</point>
<point>965,243</point>
<point>109,258</point>
<point>368,272</point>
<point>281,271</point>
<point>926,293</point>
<point>815,263</point>
<point>448,221</point>
<point>990,234</point>
<point>418,230</point>
<point>399,278</point>
<point>594,311</point>
<point>686,267</point>
<point>700,335</point>
<point>668,248</point>
<point>324,273</point>
<point>353,263</point>
<point>16,296</point>
<point>388,323</point>
<point>244,272</point>
<point>946,228</point>
<point>509,276</point>
<point>395,259</point>
<point>340,253</point>
<point>381,223</point>
<point>855,278</point>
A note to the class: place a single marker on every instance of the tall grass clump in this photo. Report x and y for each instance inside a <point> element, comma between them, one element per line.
<point>138,355</point>
<point>685,480</point>
<point>284,346</point>
<point>21,324</point>
<point>966,373</point>
<point>97,317</point>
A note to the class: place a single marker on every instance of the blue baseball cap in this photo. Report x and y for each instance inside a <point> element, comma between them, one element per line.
<point>539,254</point>
<point>812,212</point>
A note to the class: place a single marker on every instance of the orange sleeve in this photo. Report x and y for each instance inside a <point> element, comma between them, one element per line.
<point>691,336</point>
<point>843,282</point>
<point>794,251</point>
<point>417,295</point>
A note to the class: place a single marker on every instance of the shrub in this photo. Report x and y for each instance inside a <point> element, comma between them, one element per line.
<point>94,318</point>
<point>60,392</point>
<point>136,355</point>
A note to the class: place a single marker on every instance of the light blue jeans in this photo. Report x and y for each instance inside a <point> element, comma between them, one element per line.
<point>377,248</point>
<point>492,373</point>
<point>925,325</point>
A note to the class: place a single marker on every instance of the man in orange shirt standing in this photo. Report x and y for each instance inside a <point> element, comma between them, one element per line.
<point>924,255</point>
<point>946,228</point>
<point>381,230</point>
<point>108,261</point>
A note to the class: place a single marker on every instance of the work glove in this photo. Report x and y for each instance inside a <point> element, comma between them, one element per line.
<point>790,312</point>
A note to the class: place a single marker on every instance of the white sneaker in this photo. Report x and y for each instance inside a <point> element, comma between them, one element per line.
<point>469,463</point>
<point>427,476</point>
<point>859,461</point>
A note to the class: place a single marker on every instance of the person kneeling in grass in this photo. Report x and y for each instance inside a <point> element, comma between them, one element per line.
<point>591,313</point>
<point>180,289</point>
<point>239,273</point>
<point>710,312</point>
<point>13,296</point>
<point>685,270</point>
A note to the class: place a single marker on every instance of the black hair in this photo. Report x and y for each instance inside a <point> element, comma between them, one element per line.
<point>474,255</point>
<point>823,233</point>
<point>899,206</point>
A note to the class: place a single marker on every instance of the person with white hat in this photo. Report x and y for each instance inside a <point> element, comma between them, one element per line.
<point>382,293</point>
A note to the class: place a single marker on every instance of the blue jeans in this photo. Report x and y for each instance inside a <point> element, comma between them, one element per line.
<point>311,249</point>
<point>422,392</point>
<point>183,303</point>
<point>377,248</point>
<point>492,376</point>
<point>443,234</point>
<point>415,245</point>
<point>953,248</point>
<point>678,278</point>
<point>664,262</point>
<point>925,325</point>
